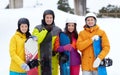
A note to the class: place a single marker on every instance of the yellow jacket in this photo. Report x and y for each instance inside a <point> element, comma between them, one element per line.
<point>84,44</point>
<point>17,52</point>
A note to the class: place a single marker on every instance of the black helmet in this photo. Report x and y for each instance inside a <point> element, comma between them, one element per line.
<point>23,21</point>
<point>46,12</point>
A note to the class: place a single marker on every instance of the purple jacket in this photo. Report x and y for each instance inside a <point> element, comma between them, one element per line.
<point>75,57</point>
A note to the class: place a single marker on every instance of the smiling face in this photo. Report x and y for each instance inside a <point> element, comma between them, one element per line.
<point>24,28</point>
<point>71,27</point>
<point>90,21</point>
<point>49,19</point>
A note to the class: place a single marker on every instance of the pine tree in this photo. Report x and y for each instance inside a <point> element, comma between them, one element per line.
<point>64,6</point>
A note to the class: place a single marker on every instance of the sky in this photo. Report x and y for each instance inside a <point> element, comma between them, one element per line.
<point>10,17</point>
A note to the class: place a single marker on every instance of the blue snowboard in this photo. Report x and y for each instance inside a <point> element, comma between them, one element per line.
<point>97,49</point>
<point>65,67</point>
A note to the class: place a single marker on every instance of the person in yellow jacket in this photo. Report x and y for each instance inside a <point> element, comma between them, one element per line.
<point>85,40</point>
<point>46,34</point>
<point>18,65</point>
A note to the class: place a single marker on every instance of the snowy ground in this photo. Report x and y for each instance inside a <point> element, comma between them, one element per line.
<point>8,23</point>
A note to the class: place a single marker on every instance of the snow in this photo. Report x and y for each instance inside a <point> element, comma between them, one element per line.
<point>3,3</point>
<point>8,23</point>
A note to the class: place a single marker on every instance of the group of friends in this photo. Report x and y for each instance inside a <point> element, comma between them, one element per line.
<point>80,47</point>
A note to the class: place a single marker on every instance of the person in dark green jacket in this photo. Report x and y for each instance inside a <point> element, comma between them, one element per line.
<point>46,34</point>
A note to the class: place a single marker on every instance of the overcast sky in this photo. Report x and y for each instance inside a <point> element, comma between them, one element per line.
<point>95,5</point>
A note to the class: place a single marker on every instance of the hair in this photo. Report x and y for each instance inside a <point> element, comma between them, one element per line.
<point>74,33</point>
<point>24,21</point>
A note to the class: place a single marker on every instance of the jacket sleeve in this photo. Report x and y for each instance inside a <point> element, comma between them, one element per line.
<point>57,46</point>
<point>39,34</point>
<point>82,44</point>
<point>13,54</point>
<point>105,46</point>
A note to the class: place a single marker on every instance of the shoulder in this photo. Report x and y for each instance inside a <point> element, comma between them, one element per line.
<point>101,31</point>
<point>57,28</point>
<point>39,27</point>
<point>15,36</point>
<point>82,32</point>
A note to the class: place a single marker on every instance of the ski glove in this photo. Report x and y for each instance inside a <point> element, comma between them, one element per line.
<point>25,67</point>
<point>96,63</point>
<point>54,53</point>
<point>95,37</point>
<point>67,47</point>
<point>33,63</point>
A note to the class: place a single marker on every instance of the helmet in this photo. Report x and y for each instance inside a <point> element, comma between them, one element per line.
<point>70,20</point>
<point>22,21</point>
<point>46,12</point>
<point>90,15</point>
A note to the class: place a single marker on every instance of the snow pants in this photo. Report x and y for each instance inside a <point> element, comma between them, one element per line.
<point>17,73</point>
<point>75,70</point>
<point>89,73</point>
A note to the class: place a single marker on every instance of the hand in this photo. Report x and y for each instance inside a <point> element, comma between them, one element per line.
<point>95,37</point>
<point>33,63</point>
<point>67,47</point>
<point>54,53</point>
<point>25,67</point>
<point>34,38</point>
<point>96,62</point>
<point>48,28</point>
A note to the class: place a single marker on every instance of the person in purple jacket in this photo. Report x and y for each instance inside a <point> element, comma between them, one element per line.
<point>75,57</point>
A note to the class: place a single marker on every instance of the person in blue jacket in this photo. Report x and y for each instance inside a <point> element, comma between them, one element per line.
<point>75,58</point>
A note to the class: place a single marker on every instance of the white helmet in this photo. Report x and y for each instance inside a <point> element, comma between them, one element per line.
<point>70,20</point>
<point>90,15</point>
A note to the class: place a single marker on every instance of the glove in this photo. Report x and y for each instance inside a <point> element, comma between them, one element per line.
<point>48,28</point>
<point>53,53</point>
<point>67,47</point>
<point>25,67</point>
<point>96,62</point>
<point>34,38</point>
<point>33,63</point>
<point>63,58</point>
<point>95,37</point>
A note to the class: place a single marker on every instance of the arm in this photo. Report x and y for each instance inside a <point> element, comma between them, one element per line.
<point>81,43</point>
<point>13,54</point>
<point>39,34</point>
<point>57,46</point>
<point>105,46</point>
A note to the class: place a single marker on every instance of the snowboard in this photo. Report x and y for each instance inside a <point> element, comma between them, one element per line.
<point>31,53</point>
<point>65,63</point>
<point>97,49</point>
<point>46,55</point>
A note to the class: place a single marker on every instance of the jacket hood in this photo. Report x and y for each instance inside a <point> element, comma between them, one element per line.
<point>91,29</point>
<point>46,12</point>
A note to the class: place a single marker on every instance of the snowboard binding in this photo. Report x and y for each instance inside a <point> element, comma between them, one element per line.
<point>106,62</point>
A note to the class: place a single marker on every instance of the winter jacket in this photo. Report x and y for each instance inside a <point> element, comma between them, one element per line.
<point>17,52</point>
<point>85,45</point>
<point>75,58</point>
<point>42,34</point>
